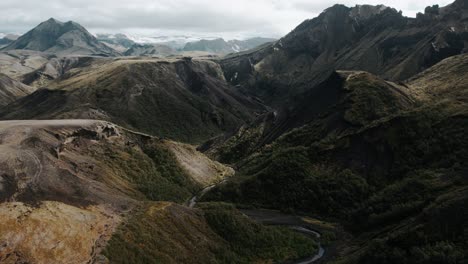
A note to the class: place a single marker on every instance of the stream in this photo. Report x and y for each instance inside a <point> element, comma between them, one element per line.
<point>269,217</point>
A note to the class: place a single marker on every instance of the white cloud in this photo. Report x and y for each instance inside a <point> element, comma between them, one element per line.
<point>205,17</point>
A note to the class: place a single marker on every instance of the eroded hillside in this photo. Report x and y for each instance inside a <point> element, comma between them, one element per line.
<point>139,94</point>
<point>70,186</point>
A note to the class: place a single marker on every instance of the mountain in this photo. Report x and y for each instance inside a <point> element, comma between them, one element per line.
<point>11,90</point>
<point>381,151</point>
<point>119,42</point>
<point>187,100</point>
<point>386,160</point>
<point>149,49</point>
<point>376,39</point>
<point>113,190</point>
<point>224,47</point>
<point>350,129</point>
<point>336,104</point>
<point>63,39</point>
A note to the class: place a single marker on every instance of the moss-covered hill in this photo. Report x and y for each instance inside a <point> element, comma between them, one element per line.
<point>216,233</point>
<point>387,161</point>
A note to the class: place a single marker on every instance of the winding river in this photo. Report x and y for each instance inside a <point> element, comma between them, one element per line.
<point>273,218</point>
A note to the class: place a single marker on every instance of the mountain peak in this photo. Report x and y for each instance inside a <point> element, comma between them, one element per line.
<point>68,38</point>
<point>367,11</point>
<point>52,21</point>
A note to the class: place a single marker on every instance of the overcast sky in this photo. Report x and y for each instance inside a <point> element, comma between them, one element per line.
<point>229,19</point>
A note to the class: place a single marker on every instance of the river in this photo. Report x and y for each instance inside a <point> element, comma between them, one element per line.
<point>270,217</point>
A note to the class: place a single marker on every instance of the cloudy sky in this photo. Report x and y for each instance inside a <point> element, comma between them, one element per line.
<point>228,19</point>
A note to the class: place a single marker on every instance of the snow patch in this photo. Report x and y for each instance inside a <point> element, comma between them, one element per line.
<point>236,48</point>
<point>234,77</point>
<point>251,64</point>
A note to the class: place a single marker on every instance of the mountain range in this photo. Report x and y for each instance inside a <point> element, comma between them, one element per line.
<point>221,46</point>
<point>7,39</point>
<point>351,129</point>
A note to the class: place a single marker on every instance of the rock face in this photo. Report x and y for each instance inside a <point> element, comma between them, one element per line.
<point>221,46</point>
<point>182,99</point>
<point>62,39</point>
<point>11,90</point>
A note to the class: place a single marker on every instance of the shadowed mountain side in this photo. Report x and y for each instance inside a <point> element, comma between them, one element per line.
<point>346,100</point>
<point>388,162</point>
<point>376,39</point>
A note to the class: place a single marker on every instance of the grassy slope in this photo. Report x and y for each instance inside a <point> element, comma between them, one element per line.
<point>167,233</point>
<point>397,169</point>
<point>153,170</point>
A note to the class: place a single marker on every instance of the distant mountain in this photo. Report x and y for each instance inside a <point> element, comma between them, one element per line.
<point>9,38</point>
<point>174,41</point>
<point>119,42</point>
<point>221,46</point>
<point>62,39</point>
<point>149,49</point>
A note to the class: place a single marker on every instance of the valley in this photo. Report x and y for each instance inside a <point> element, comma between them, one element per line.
<point>342,142</point>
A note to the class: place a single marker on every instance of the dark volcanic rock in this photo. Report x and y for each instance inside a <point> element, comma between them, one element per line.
<point>377,39</point>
